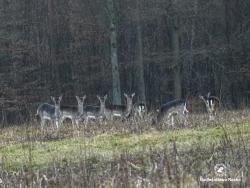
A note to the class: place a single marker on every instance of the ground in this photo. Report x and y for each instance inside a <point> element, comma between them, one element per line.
<point>141,154</point>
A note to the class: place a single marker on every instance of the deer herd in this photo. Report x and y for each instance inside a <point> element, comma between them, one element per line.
<point>168,113</point>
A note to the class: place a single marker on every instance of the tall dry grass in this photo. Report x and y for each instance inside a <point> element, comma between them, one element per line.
<point>167,167</point>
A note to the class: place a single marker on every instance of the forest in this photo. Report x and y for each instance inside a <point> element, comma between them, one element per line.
<point>159,49</point>
<point>125,93</point>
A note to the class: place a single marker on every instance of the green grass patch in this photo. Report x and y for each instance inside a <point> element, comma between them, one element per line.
<point>37,154</point>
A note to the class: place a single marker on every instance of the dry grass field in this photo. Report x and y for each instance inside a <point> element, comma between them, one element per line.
<point>128,154</point>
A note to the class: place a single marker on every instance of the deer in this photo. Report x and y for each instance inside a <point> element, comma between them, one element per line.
<point>73,113</point>
<point>118,111</point>
<point>176,109</point>
<point>212,104</point>
<point>140,109</point>
<point>92,112</point>
<point>50,112</point>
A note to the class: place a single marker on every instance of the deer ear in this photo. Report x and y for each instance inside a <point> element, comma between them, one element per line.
<point>133,94</point>
<point>106,96</point>
<point>77,98</point>
<point>60,98</point>
<point>125,95</point>
<point>98,96</point>
<point>84,97</point>
<point>52,98</point>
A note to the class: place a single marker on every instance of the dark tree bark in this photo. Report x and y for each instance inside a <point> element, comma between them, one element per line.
<point>139,71</point>
<point>116,87</point>
<point>176,52</point>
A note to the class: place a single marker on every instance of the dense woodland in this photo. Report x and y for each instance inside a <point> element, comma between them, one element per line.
<point>159,49</point>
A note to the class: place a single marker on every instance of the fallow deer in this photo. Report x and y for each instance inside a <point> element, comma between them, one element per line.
<point>50,112</point>
<point>75,114</point>
<point>117,111</point>
<point>171,111</point>
<point>212,105</point>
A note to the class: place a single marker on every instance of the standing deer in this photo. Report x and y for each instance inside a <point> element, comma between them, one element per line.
<point>73,113</point>
<point>212,105</point>
<point>140,110</point>
<point>50,112</point>
<point>91,112</point>
<point>173,110</point>
<point>120,111</point>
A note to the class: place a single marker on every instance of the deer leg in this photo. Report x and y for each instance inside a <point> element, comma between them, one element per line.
<point>77,123</point>
<point>42,123</point>
<point>86,120</point>
<point>211,117</point>
<point>57,124</point>
<point>185,121</point>
<point>61,121</point>
<point>73,123</point>
<point>172,121</point>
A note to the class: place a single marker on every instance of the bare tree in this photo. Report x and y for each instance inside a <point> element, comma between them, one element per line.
<point>116,88</point>
<point>174,46</point>
<point>176,50</point>
<point>139,62</point>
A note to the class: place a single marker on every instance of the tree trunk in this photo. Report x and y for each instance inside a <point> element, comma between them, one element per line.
<point>176,53</point>
<point>192,38</point>
<point>54,74</point>
<point>227,94</point>
<point>139,62</point>
<point>176,59</point>
<point>114,59</point>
